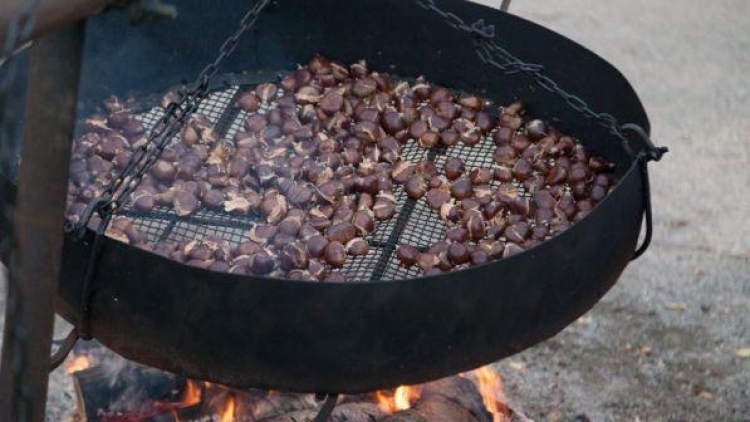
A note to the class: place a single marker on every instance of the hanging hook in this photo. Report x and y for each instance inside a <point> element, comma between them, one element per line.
<point>653,152</point>
<point>327,409</point>
<point>67,345</point>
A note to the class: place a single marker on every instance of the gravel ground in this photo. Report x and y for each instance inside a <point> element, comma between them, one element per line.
<point>664,344</point>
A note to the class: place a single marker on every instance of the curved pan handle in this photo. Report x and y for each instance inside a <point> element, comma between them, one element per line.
<point>650,153</point>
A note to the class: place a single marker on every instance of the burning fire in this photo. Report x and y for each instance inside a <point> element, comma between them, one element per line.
<point>488,381</point>
<point>227,414</point>
<point>384,402</point>
<point>79,363</point>
<point>192,394</point>
<point>401,399</point>
<point>493,393</point>
<point>223,402</point>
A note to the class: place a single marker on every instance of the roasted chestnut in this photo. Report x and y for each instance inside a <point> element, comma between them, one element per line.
<point>357,247</point>
<point>335,254</point>
<point>461,188</point>
<point>293,256</point>
<point>458,253</point>
<point>184,203</point>
<point>262,263</point>
<point>415,187</point>
<point>407,255</point>
<point>248,101</point>
<point>320,164</point>
<point>454,168</point>
<point>341,232</point>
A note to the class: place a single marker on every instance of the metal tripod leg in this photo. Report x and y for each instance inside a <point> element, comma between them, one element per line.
<point>34,269</point>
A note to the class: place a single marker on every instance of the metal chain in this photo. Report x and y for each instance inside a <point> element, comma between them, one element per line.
<point>491,53</point>
<point>176,115</point>
<point>119,190</point>
<point>325,411</point>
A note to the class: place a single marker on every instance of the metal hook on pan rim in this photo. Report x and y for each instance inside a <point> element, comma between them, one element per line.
<point>67,345</point>
<point>327,409</point>
<point>653,153</point>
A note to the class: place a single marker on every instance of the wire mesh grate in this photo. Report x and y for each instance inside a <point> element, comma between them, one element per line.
<point>414,222</point>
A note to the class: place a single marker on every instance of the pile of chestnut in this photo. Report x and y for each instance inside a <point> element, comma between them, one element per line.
<point>319,161</point>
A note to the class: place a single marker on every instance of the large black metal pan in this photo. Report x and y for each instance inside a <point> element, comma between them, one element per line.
<point>357,337</point>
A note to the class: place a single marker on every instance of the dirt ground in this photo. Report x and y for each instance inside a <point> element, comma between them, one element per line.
<point>663,344</point>
<point>666,344</point>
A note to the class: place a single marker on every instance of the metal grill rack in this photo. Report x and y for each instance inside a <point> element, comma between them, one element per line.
<point>414,222</point>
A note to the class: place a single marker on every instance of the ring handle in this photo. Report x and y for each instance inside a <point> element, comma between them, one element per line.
<point>650,153</point>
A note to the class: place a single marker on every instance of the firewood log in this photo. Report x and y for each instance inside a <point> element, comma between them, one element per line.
<point>276,403</point>
<point>454,399</point>
<point>347,412</point>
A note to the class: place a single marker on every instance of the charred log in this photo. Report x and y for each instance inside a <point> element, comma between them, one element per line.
<point>347,412</point>
<point>454,399</point>
<point>269,405</point>
<point>97,390</point>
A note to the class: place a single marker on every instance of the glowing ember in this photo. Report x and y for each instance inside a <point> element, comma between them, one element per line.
<point>227,415</point>
<point>493,393</point>
<point>79,363</point>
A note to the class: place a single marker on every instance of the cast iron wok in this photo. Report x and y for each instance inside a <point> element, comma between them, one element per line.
<point>356,337</point>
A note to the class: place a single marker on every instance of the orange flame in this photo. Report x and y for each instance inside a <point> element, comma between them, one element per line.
<point>493,393</point>
<point>192,394</point>
<point>79,363</point>
<point>401,399</point>
<point>384,402</point>
<point>227,415</point>
<point>488,382</point>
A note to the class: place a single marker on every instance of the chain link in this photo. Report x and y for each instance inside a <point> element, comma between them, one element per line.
<point>176,115</point>
<point>491,53</point>
<point>119,190</point>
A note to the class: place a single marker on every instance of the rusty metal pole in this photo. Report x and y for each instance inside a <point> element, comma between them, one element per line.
<point>34,269</point>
